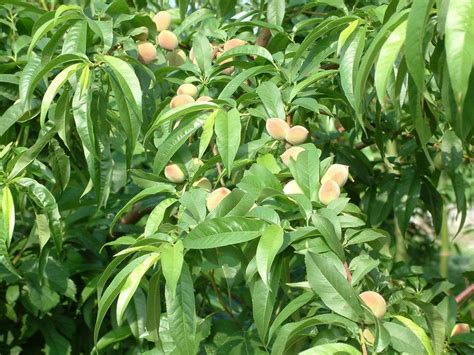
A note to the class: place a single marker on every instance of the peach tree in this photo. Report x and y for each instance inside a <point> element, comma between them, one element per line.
<point>235,176</point>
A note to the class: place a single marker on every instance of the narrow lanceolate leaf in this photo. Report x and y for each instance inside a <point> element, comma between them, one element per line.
<point>44,199</point>
<point>29,155</point>
<point>332,286</point>
<point>55,86</point>
<point>110,294</point>
<point>330,349</point>
<point>345,34</point>
<point>267,249</point>
<point>350,57</point>
<point>223,231</point>
<point>416,31</point>
<point>246,50</point>
<point>327,230</point>
<point>239,79</point>
<point>7,215</point>
<point>5,259</point>
<point>276,11</point>
<point>207,132</point>
<point>156,216</point>
<point>175,141</point>
<point>128,94</point>
<point>75,40</point>
<point>459,45</point>
<point>181,311</point>
<point>172,257</point>
<point>270,95</point>
<point>149,191</point>
<point>387,57</point>
<point>406,197</point>
<point>263,301</point>
<point>131,284</point>
<point>81,108</point>
<point>153,307</point>
<point>419,332</point>
<point>227,129</point>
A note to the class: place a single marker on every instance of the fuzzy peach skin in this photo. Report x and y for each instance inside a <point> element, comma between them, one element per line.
<point>277,128</point>
<point>233,43</point>
<point>328,192</point>
<point>180,100</point>
<point>174,174</point>
<point>167,40</point>
<point>290,153</point>
<point>146,52</point>
<point>337,173</point>
<point>297,135</point>
<point>460,328</point>
<point>215,197</point>
<point>187,89</point>
<point>162,20</point>
<point>375,302</point>
<point>176,57</point>
<point>291,187</point>
<point>204,99</point>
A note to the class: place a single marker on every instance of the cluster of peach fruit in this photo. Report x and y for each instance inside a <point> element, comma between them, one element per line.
<point>186,94</point>
<point>167,40</point>
<point>377,305</point>
<point>335,177</point>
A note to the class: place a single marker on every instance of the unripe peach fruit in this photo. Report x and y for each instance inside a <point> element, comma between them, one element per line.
<point>297,135</point>
<point>375,302</point>
<point>215,197</point>
<point>204,99</point>
<point>176,58</point>
<point>232,43</point>
<point>277,128</point>
<point>368,336</point>
<point>146,52</point>
<point>337,173</point>
<point>328,192</point>
<point>174,174</point>
<point>203,183</point>
<point>187,89</point>
<point>292,187</point>
<point>167,40</point>
<point>290,153</point>
<point>180,100</point>
<point>162,20</point>
<point>460,328</point>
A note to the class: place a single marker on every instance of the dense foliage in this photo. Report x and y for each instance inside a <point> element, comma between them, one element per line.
<point>294,199</point>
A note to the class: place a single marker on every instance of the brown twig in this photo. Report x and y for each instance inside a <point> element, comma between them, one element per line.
<point>348,272</point>
<point>263,37</point>
<point>464,295</point>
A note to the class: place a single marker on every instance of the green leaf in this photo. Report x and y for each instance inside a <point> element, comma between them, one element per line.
<point>305,170</point>
<point>328,231</point>
<point>292,307</point>
<point>330,349</point>
<point>202,50</point>
<point>263,301</point>
<point>75,40</point>
<point>246,50</point>
<point>406,197</point>
<point>416,28</point>
<point>275,11</point>
<point>387,57</point>
<point>172,257</point>
<point>207,132</point>
<point>153,307</point>
<point>114,336</point>
<point>153,190</point>
<point>270,95</point>
<point>112,291</point>
<point>459,44</point>
<point>5,259</point>
<point>29,155</point>
<point>351,53</point>
<point>7,215</point>
<point>227,128</point>
<point>419,332</point>
<point>330,284</point>
<point>223,231</point>
<point>173,142</point>
<point>239,79</point>
<point>451,151</point>
<point>156,216</point>
<point>45,200</point>
<point>267,249</point>
<point>181,311</point>
<point>131,284</point>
